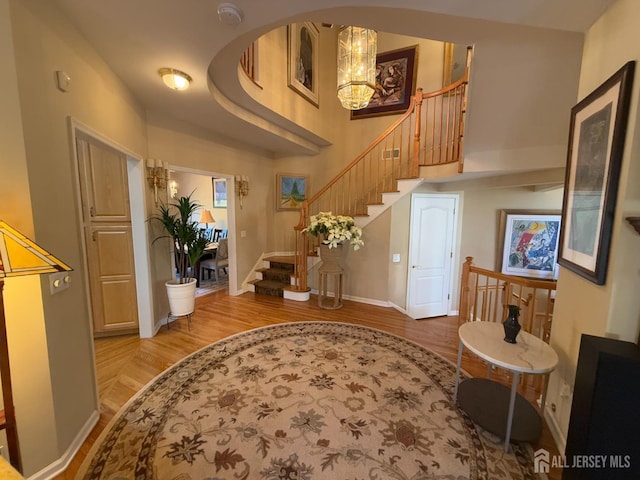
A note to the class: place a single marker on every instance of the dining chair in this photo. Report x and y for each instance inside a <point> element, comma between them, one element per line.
<point>221,261</point>
<point>217,235</point>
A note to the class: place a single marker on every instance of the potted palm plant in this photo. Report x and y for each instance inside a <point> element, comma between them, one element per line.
<point>190,243</point>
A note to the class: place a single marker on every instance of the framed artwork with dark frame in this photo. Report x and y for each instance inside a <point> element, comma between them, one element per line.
<point>291,191</point>
<point>529,242</point>
<point>596,143</point>
<point>395,83</point>
<point>302,60</point>
<point>220,193</point>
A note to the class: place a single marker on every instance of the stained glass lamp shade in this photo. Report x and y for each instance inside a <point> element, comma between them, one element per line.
<point>18,256</point>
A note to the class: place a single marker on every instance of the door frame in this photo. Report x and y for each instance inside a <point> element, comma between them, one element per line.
<point>455,245</point>
<point>231,220</point>
<point>136,178</point>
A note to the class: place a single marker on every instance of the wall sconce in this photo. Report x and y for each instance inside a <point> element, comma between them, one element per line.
<point>242,187</point>
<point>157,175</point>
<point>173,188</point>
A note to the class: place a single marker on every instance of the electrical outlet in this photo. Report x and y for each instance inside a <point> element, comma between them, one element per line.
<point>2,453</point>
<point>58,282</point>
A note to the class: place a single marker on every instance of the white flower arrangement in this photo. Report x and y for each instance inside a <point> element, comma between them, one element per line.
<point>335,229</point>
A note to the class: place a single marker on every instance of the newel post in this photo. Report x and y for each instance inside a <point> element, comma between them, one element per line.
<point>302,248</point>
<point>463,310</point>
<point>416,135</point>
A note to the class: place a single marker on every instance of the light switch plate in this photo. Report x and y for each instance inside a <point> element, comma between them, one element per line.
<point>395,258</point>
<point>63,81</point>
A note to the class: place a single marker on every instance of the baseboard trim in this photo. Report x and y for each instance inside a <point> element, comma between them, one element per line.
<point>398,308</point>
<point>353,298</point>
<point>370,301</point>
<point>556,432</point>
<point>60,465</point>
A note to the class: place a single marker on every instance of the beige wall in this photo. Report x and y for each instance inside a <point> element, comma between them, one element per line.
<point>46,42</point>
<point>193,149</point>
<point>612,309</point>
<point>477,229</point>
<point>26,329</point>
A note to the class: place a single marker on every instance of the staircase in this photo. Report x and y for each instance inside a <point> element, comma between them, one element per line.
<point>275,278</point>
<point>425,142</point>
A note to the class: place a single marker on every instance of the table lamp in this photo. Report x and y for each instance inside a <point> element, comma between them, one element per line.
<point>206,218</point>
<point>18,256</point>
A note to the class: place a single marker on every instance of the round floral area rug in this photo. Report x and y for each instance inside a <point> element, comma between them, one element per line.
<point>309,400</point>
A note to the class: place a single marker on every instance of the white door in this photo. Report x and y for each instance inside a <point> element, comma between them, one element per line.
<point>430,254</point>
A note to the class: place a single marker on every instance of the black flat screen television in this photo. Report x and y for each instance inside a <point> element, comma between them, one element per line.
<point>605,412</point>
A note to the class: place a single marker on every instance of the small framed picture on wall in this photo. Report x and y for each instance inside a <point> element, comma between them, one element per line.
<point>291,191</point>
<point>220,193</point>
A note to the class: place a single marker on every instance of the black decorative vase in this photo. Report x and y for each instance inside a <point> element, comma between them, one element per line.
<point>511,325</point>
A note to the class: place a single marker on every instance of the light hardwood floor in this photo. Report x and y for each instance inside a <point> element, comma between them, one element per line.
<point>126,364</point>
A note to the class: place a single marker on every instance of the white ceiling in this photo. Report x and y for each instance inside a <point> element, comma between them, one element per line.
<point>136,37</point>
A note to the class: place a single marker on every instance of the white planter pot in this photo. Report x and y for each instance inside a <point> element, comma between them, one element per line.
<point>182,297</point>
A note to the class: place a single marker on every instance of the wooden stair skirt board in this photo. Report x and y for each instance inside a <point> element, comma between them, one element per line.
<point>275,280</point>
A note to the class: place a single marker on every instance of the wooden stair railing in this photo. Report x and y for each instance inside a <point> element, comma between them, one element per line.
<point>248,62</point>
<point>429,133</point>
<point>485,294</point>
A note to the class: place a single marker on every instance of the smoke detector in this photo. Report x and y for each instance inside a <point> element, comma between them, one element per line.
<point>229,14</point>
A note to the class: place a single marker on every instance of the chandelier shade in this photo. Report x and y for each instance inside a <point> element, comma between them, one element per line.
<point>357,48</point>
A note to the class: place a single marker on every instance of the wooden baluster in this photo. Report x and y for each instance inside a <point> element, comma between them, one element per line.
<point>416,138</point>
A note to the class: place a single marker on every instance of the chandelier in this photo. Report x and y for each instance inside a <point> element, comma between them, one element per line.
<point>356,66</point>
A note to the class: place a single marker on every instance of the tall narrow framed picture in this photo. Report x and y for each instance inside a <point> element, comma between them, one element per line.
<point>302,60</point>
<point>395,83</point>
<point>529,242</point>
<point>291,191</point>
<point>220,193</point>
<point>596,143</point>
<point>455,63</point>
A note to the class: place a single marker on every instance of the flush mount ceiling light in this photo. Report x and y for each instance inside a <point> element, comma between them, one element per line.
<point>356,66</point>
<point>175,79</point>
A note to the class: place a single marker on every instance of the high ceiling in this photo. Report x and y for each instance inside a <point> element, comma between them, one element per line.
<point>136,37</point>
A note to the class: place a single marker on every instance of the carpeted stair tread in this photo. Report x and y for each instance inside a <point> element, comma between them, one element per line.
<point>286,259</point>
<point>269,287</point>
<point>277,275</point>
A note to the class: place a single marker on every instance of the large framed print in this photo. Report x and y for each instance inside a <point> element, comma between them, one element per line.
<point>530,242</point>
<point>302,60</point>
<point>395,83</point>
<point>596,143</point>
<point>291,191</point>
